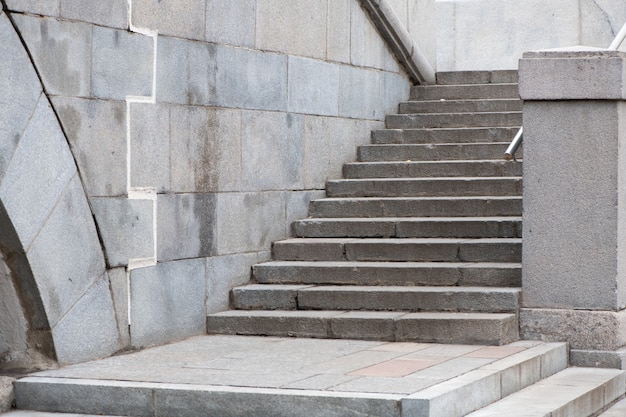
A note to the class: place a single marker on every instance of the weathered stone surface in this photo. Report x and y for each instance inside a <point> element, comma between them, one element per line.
<point>368,49</point>
<point>167,302</point>
<point>112,13</point>
<point>46,8</point>
<point>126,227</point>
<point>61,51</point>
<point>301,27</point>
<point>313,87</point>
<point>7,394</point>
<point>231,23</point>
<point>150,146</point>
<point>66,257</point>
<point>338,31</point>
<point>89,329</point>
<point>225,273</point>
<point>96,130</point>
<point>37,174</point>
<point>183,18</point>
<point>118,281</point>
<point>297,206</point>
<point>186,226</point>
<point>272,149</point>
<point>122,64</point>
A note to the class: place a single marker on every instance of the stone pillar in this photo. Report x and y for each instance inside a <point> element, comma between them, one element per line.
<point>574,256</point>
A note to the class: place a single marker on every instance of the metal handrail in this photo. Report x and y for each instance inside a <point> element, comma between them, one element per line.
<point>519,136</point>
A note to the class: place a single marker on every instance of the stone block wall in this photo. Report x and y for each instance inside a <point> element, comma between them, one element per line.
<point>199,131</point>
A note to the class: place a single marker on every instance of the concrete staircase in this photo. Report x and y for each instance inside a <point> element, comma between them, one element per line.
<point>420,242</point>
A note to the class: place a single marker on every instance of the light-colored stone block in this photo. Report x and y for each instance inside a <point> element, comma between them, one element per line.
<point>89,330</point>
<point>368,49</point>
<point>38,173</point>
<point>422,25</point>
<point>181,18</point>
<point>106,13</point>
<point>96,130</point>
<point>122,64</point>
<point>185,226</point>
<point>360,93</point>
<point>297,206</point>
<point>126,227</point>
<point>600,21</point>
<point>13,323</point>
<point>296,28</point>
<point>118,280</point>
<point>46,8</point>
<point>150,146</point>
<point>61,51</point>
<point>167,302</point>
<point>231,23</point>
<point>313,87</point>
<point>7,394</point>
<point>272,149</point>
<point>223,274</point>
<point>66,257</point>
<point>338,31</point>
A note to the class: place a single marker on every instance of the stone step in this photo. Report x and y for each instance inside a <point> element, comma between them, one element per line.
<point>469,91</point>
<point>453,120</point>
<point>369,207</point>
<point>433,152</point>
<point>460,106</point>
<point>389,273</point>
<point>574,392</point>
<point>425,187</point>
<point>444,135</point>
<point>617,410</point>
<point>403,227</point>
<point>476,77</point>
<point>399,250</point>
<point>376,298</point>
<point>425,169</point>
<point>429,327</point>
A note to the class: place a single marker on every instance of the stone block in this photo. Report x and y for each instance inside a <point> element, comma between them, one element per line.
<point>66,257</point>
<point>89,329</point>
<point>46,8</point>
<point>422,25</point>
<point>223,274</point>
<point>61,51</point>
<point>167,302</point>
<point>297,206</point>
<point>301,27</point>
<point>360,93</point>
<point>338,31</point>
<point>272,150</point>
<point>13,323</point>
<point>186,226</point>
<point>110,13</point>
<point>150,146</point>
<point>7,394</point>
<point>313,87</point>
<point>205,149</point>
<point>368,49</point>
<point>126,227</point>
<point>364,325</point>
<point>38,173</point>
<point>118,281</point>
<point>231,23</point>
<point>122,64</point>
<point>250,79</point>
<point>266,297</point>
<point>181,18</point>
<point>584,330</point>
<point>249,222</point>
<point>96,130</point>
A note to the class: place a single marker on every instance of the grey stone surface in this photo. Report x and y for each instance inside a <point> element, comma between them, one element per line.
<point>272,150</point>
<point>359,93</point>
<point>122,64</point>
<point>310,250</point>
<point>66,257</point>
<point>617,410</point>
<point>150,146</point>
<point>183,18</point>
<point>250,79</point>
<point>231,23</point>
<point>367,325</point>
<point>118,281</point>
<point>47,8</point>
<point>126,227</point>
<point>96,130</point>
<point>269,297</point>
<point>13,323</point>
<point>224,273</point>
<point>297,207</point>
<point>186,226</point>
<point>598,358</point>
<point>113,14</point>
<point>338,31</point>
<point>37,174</point>
<point>313,87</point>
<point>302,27</point>
<point>167,302</point>
<point>249,222</point>
<point>89,329</point>
<point>7,395</point>
<point>61,51</point>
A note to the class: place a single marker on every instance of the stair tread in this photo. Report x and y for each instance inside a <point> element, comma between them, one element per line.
<point>378,288</point>
<point>388,315</point>
<point>411,240</point>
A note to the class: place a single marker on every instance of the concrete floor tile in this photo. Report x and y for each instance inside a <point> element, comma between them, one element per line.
<point>451,368</point>
<point>495,352</point>
<point>395,368</point>
<point>408,347</point>
<point>443,351</point>
<point>383,385</point>
<point>320,382</point>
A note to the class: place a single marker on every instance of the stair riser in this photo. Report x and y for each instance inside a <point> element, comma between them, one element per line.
<point>374,153</point>
<point>459,92</point>
<point>415,207</point>
<point>455,106</point>
<point>375,300</point>
<point>397,251</point>
<point>408,229</point>
<point>363,170</point>
<point>425,188</point>
<point>430,136</point>
<point>430,121</point>
<point>476,77</point>
<point>440,275</point>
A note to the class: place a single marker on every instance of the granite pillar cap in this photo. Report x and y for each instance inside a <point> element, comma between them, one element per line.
<point>573,73</point>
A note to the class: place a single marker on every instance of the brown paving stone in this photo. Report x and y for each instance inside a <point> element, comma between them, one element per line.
<point>395,368</point>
